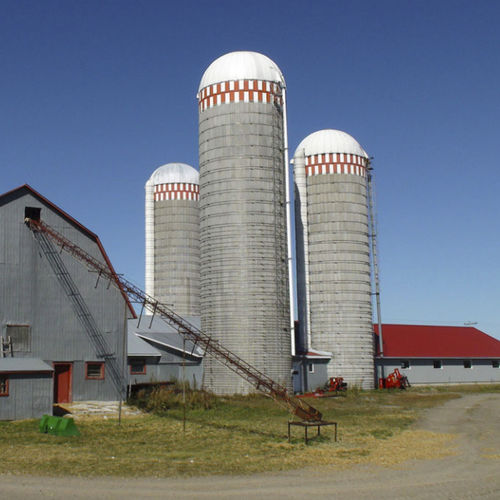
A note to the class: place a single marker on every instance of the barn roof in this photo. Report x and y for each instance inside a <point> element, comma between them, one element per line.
<point>424,341</point>
<point>162,334</point>
<point>137,347</point>
<point>19,191</point>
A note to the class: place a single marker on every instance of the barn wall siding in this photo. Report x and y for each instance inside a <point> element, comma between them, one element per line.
<point>421,371</point>
<point>31,294</point>
<point>30,396</point>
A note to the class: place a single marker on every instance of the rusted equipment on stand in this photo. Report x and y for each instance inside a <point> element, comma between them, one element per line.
<point>257,379</point>
<point>333,387</point>
<point>395,380</point>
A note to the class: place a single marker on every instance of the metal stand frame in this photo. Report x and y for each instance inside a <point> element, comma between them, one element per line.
<point>306,425</point>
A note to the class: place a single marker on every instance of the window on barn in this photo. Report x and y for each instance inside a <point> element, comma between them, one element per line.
<point>94,370</point>
<point>405,363</point>
<point>20,337</point>
<point>32,213</point>
<point>310,367</point>
<point>467,363</point>
<point>494,363</point>
<point>437,363</point>
<point>4,386</point>
<point>138,367</point>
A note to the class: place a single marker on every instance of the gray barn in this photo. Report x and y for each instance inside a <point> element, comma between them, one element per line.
<point>43,297</point>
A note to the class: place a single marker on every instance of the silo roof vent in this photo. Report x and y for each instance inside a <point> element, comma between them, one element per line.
<point>241,65</point>
<point>330,141</point>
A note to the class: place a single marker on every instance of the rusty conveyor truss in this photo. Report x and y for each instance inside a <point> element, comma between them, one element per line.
<point>254,377</point>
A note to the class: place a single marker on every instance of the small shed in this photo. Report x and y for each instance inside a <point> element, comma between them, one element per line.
<point>310,370</point>
<point>26,388</point>
<point>158,353</point>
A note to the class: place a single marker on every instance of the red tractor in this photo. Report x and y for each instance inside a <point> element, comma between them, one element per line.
<point>394,380</point>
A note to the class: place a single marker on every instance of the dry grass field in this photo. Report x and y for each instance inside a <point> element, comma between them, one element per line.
<point>238,435</point>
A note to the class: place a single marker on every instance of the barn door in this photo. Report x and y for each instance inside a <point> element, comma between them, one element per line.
<point>62,382</point>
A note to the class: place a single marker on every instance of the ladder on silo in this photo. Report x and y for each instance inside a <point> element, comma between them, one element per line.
<point>82,310</point>
<point>372,211</point>
<point>252,375</point>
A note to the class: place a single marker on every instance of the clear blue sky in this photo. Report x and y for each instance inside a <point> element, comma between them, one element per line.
<point>94,95</point>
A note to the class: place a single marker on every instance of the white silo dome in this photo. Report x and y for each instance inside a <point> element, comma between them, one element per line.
<point>241,65</point>
<point>174,172</point>
<point>330,141</point>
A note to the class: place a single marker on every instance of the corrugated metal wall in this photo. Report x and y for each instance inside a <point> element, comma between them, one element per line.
<point>30,396</point>
<point>31,294</point>
<point>244,283</point>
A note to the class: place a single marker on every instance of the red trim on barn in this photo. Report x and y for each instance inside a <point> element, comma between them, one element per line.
<point>424,341</point>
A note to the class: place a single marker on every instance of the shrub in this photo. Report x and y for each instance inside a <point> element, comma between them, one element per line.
<point>160,399</point>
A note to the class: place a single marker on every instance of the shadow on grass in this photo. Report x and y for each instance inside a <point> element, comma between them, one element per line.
<point>229,427</point>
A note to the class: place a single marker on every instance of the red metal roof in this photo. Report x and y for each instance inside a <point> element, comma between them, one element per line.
<point>423,341</point>
<point>93,236</point>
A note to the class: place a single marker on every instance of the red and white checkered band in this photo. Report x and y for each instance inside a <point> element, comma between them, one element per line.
<point>336,163</point>
<point>239,91</point>
<point>176,191</point>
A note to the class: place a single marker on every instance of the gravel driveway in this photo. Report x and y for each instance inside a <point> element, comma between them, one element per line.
<point>473,473</point>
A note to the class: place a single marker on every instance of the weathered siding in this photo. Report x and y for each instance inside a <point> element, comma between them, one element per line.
<point>306,381</point>
<point>31,294</point>
<point>30,396</point>
<point>168,371</point>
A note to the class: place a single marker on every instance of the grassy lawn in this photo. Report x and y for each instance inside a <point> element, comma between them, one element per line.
<point>238,435</point>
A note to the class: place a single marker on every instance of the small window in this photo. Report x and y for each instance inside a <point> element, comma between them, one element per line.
<point>437,363</point>
<point>310,367</point>
<point>405,364</point>
<point>32,213</point>
<point>94,370</point>
<point>467,363</point>
<point>4,386</point>
<point>20,336</point>
<point>494,363</point>
<point>138,367</point>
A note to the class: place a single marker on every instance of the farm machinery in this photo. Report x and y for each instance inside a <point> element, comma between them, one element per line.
<point>395,380</point>
<point>331,388</point>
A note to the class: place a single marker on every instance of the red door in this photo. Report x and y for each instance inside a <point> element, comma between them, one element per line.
<point>62,382</point>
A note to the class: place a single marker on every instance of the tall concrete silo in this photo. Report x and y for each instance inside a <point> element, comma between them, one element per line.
<point>333,253</point>
<point>243,241</point>
<point>173,237</point>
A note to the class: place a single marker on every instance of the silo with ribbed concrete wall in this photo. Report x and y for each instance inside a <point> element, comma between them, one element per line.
<point>243,241</point>
<point>173,237</point>
<point>333,253</point>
